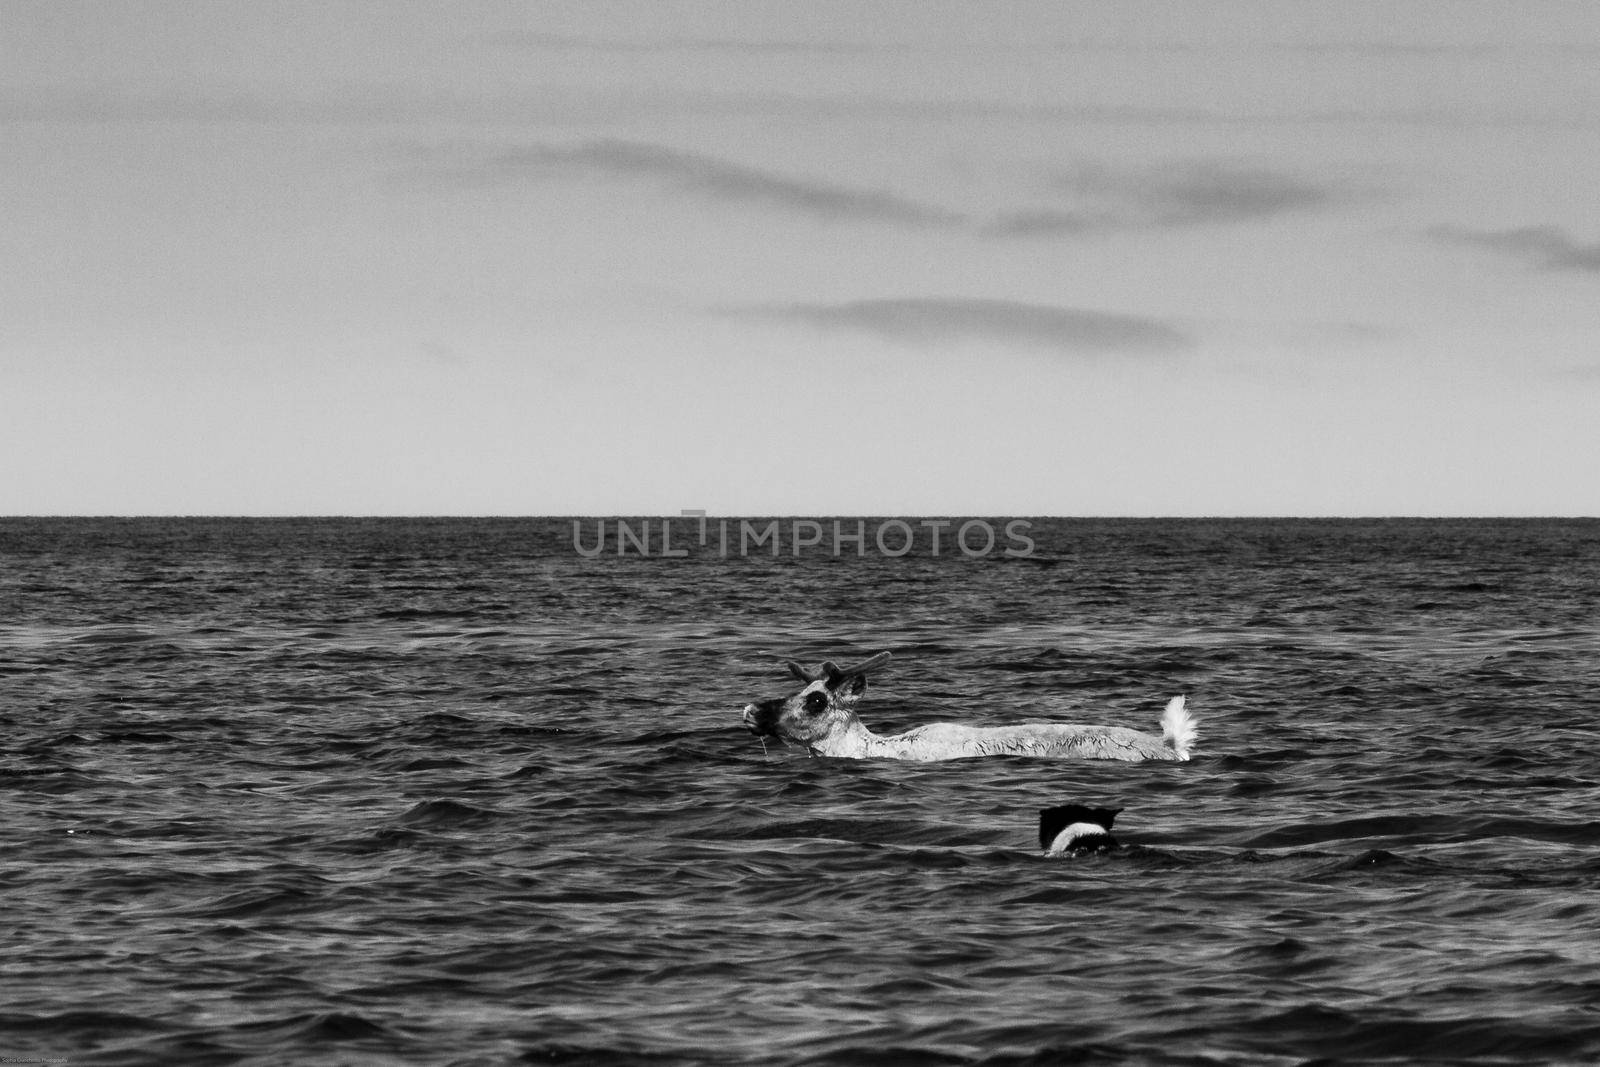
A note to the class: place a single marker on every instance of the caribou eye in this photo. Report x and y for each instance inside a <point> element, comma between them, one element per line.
<point>815,703</point>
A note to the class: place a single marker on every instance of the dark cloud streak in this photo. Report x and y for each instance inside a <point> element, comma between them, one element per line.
<point>1159,197</point>
<point>1211,193</point>
<point>1099,200</point>
<point>1191,193</point>
<point>1547,247</point>
<point>715,178</point>
<point>929,320</point>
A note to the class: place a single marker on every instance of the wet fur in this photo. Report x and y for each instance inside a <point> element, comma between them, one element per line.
<point>821,716</point>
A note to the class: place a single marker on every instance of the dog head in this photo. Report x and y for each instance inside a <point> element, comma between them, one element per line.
<point>1075,828</point>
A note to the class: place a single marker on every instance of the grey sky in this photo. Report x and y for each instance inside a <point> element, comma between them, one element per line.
<point>1149,258</point>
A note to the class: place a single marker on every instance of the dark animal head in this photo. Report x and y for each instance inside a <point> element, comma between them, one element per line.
<point>1092,827</point>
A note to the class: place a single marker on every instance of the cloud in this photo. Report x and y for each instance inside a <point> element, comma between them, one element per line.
<point>1547,247</point>
<point>1102,199</point>
<point>944,320</point>
<point>1210,192</point>
<point>714,178</point>
<point>1168,195</point>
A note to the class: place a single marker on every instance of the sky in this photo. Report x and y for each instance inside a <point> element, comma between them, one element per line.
<point>863,257</point>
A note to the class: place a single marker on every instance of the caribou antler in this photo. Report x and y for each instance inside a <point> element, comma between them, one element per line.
<point>800,672</point>
<point>831,670</point>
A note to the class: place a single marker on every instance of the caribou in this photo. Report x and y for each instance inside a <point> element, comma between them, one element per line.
<point>822,718</point>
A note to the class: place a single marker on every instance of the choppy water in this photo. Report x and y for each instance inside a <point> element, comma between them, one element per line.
<point>445,791</point>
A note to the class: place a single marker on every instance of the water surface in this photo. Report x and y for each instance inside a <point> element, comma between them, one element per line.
<point>446,791</point>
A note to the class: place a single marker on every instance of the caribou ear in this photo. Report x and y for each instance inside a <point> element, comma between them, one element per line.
<point>852,682</point>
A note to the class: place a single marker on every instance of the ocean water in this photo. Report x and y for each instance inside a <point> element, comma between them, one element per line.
<point>452,792</point>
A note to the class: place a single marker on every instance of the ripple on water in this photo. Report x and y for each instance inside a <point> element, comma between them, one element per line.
<point>440,791</point>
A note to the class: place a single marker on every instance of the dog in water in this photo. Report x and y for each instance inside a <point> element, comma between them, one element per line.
<point>822,717</point>
<point>1075,828</point>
